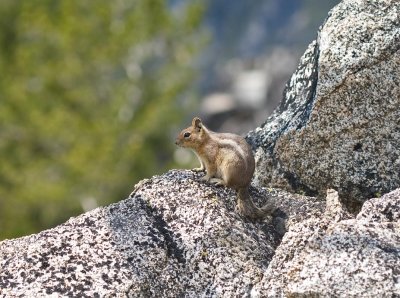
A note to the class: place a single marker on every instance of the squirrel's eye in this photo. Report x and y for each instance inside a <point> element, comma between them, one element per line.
<point>186,135</point>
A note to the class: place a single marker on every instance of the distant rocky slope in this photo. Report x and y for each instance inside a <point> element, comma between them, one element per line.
<point>337,127</point>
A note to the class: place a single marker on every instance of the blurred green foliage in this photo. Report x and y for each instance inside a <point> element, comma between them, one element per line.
<point>88,93</point>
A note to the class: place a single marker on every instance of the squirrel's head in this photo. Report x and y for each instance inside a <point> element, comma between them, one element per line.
<point>193,136</point>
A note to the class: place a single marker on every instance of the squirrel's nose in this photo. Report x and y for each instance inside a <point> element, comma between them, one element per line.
<point>178,142</point>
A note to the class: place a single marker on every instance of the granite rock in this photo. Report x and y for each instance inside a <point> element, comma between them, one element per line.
<point>178,237</point>
<point>173,237</point>
<point>336,255</point>
<point>338,125</point>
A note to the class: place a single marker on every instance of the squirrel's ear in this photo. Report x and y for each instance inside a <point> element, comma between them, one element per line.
<point>196,122</point>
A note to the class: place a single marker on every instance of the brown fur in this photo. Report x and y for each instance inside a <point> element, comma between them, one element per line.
<point>227,159</point>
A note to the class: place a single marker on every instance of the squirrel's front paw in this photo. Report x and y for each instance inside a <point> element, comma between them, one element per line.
<point>205,178</point>
<point>201,169</point>
<point>217,182</point>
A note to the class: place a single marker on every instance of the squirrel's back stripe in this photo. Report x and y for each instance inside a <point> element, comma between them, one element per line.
<point>236,147</point>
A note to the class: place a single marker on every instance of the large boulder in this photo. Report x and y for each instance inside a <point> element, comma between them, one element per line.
<point>338,125</point>
<point>173,237</point>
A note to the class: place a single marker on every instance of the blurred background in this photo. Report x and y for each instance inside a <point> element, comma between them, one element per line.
<point>93,93</point>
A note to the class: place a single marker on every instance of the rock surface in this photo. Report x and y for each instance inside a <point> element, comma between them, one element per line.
<point>173,237</point>
<point>177,237</point>
<point>338,125</point>
<point>339,256</point>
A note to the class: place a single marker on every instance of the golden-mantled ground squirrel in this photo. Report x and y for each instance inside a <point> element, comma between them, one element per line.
<point>227,159</point>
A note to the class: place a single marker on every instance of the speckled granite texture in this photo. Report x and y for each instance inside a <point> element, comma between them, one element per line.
<point>177,237</point>
<point>338,125</point>
<point>336,255</point>
<point>173,237</point>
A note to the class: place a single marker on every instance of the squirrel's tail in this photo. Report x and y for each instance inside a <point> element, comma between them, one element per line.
<point>246,207</point>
